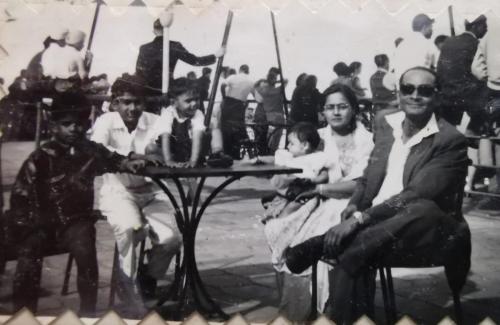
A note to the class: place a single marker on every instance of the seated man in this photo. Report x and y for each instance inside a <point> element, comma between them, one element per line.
<point>405,205</point>
<point>134,205</point>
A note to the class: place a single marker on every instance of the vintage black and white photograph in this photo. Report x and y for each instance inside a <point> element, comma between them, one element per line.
<point>268,159</point>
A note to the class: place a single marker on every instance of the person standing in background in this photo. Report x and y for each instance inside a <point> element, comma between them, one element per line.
<point>204,86</point>
<point>306,102</point>
<point>236,88</point>
<point>355,68</point>
<point>382,97</point>
<point>149,64</point>
<point>272,100</point>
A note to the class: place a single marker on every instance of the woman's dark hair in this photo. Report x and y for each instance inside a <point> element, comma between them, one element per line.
<point>306,132</point>
<point>311,81</point>
<point>341,69</point>
<point>300,79</point>
<point>349,94</point>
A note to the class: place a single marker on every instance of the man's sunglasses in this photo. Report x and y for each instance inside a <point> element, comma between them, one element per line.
<point>422,90</point>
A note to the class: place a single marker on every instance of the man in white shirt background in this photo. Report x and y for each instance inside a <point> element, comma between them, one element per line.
<point>235,89</point>
<point>415,50</point>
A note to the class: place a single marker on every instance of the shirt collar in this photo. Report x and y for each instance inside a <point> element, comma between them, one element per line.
<point>470,33</point>
<point>382,69</point>
<point>119,124</point>
<point>396,122</point>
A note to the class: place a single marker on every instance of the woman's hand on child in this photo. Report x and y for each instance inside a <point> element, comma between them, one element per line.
<point>306,196</point>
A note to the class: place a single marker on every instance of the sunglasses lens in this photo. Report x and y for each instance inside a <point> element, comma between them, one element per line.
<point>407,89</point>
<point>426,91</point>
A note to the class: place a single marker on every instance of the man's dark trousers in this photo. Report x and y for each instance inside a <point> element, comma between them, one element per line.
<point>79,239</point>
<point>233,125</point>
<point>421,235</point>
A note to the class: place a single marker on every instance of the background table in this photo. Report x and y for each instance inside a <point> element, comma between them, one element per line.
<point>187,279</point>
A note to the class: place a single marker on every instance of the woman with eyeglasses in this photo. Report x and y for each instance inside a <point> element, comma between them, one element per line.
<point>348,144</point>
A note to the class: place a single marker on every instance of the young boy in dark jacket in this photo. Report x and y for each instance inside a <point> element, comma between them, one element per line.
<point>52,202</point>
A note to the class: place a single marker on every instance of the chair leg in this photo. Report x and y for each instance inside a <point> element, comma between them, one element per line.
<point>458,308</point>
<point>383,285</point>
<point>113,281</point>
<point>313,315</point>
<point>392,296</point>
<point>67,275</point>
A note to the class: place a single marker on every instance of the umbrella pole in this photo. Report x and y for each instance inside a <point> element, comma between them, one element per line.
<point>218,71</point>
<point>283,93</point>
<point>94,23</point>
<point>452,24</point>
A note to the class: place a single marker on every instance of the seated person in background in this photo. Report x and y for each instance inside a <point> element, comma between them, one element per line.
<point>303,141</point>
<point>180,129</point>
<point>134,205</point>
<point>52,202</point>
<point>406,208</point>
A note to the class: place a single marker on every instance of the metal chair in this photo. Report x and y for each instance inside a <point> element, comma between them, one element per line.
<point>388,295</point>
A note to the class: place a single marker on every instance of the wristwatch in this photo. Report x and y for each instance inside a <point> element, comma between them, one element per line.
<point>358,216</point>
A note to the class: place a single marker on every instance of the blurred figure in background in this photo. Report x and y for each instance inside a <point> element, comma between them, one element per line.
<point>272,100</point>
<point>236,88</point>
<point>381,96</point>
<point>355,68</point>
<point>191,75</point>
<point>306,101</point>
<point>204,86</point>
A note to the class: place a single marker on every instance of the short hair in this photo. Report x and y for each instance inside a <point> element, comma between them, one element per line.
<point>70,104</point>
<point>436,83</point>
<point>300,79</point>
<point>306,132</point>
<point>128,83</point>
<point>440,39</point>
<point>245,68</point>
<point>274,70</point>
<point>183,85</point>
<point>354,65</point>
<point>311,80</point>
<point>381,60</point>
<point>341,69</point>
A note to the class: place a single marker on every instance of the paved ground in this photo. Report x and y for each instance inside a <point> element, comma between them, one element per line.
<point>234,262</point>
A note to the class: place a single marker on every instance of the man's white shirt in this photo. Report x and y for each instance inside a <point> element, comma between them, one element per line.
<point>110,130</point>
<point>393,181</point>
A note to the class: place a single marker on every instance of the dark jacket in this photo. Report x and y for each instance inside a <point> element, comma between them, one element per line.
<point>380,94</point>
<point>454,65</point>
<point>55,187</point>
<point>435,170</point>
<point>150,61</point>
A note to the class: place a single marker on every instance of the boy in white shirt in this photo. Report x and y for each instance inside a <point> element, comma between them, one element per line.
<point>178,133</point>
<point>134,205</point>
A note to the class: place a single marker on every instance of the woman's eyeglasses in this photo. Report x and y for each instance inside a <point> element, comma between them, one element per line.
<point>422,90</point>
<point>341,106</point>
